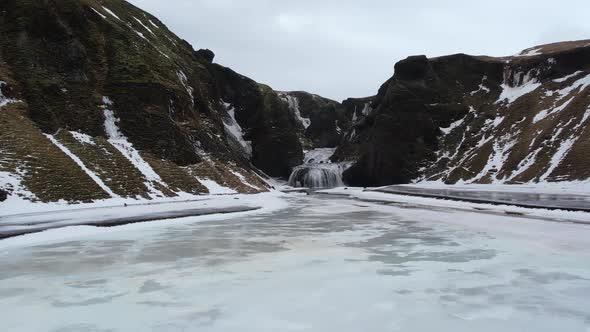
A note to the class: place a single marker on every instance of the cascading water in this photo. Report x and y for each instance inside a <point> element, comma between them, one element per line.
<point>317,176</point>
<point>318,171</point>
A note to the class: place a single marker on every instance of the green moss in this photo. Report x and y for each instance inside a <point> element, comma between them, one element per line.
<point>177,178</point>
<point>222,174</point>
<point>46,171</point>
<point>109,164</point>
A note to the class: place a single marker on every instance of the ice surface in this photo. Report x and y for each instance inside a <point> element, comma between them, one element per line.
<point>120,213</point>
<point>321,264</point>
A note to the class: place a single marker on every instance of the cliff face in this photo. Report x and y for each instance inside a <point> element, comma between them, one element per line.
<point>99,99</point>
<point>463,118</point>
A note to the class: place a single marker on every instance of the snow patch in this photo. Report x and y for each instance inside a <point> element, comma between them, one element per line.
<point>17,192</point>
<point>294,107</point>
<point>83,138</point>
<point>319,156</point>
<point>530,52</point>
<point>153,24</point>
<point>498,157</point>
<point>81,164</point>
<point>558,157</point>
<point>495,122</point>
<point>233,129</point>
<point>3,99</point>
<point>140,34</point>
<point>583,120</point>
<point>143,25</point>
<point>545,113</point>
<point>523,85</point>
<point>99,13</point>
<point>162,53</point>
<point>565,78</point>
<point>244,180</point>
<point>215,188</point>
<point>580,84</point>
<point>482,87</point>
<point>111,13</point>
<point>121,143</point>
<point>452,127</point>
<point>526,163</point>
<point>367,109</point>
<point>184,81</point>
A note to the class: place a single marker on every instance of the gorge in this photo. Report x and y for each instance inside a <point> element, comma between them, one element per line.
<point>190,125</point>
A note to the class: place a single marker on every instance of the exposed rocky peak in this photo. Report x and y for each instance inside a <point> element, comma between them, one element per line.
<point>462,118</point>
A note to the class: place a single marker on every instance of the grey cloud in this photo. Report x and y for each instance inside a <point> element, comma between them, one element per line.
<point>345,48</point>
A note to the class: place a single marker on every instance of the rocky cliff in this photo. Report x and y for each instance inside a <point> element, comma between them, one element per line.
<point>99,99</point>
<point>476,119</point>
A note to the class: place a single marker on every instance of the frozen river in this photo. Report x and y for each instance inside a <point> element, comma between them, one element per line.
<point>322,264</point>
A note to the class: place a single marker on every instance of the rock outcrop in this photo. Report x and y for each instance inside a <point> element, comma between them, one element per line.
<point>476,119</point>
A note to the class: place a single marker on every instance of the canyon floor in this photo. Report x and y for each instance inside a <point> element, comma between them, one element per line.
<point>342,260</point>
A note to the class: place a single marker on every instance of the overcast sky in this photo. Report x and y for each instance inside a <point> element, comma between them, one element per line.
<point>343,48</point>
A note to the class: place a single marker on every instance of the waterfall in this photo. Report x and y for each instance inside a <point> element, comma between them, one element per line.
<point>318,171</point>
<point>317,176</point>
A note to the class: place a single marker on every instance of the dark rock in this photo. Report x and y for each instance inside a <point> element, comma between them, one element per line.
<point>206,54</point>
<point>265,118</point>
<point>401,133</point>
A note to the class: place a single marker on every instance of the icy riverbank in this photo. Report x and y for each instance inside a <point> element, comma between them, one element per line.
<point>117,212</point>
<point>556,215</point>
<point>322,263</point>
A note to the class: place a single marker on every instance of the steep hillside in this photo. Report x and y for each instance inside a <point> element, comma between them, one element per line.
<point>99,99</point>
<point>477,119</point>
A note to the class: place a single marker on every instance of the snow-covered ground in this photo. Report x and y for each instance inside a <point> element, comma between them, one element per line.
<point>307,263</point>
<point>548,215</point>
<point>22,223</point>
<point>578,187</point>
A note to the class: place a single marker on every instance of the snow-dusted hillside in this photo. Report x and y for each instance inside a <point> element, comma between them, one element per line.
<point>475,119</point>
<point>99,100</point>
<point>536,130</point>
